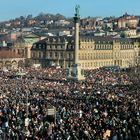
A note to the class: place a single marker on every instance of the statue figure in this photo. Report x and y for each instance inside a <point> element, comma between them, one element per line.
<point>77,13</point>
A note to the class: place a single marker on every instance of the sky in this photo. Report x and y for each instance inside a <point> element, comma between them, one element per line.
<point>10,9</point>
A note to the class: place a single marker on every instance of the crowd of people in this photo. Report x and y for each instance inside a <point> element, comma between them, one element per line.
<point>106,106</point>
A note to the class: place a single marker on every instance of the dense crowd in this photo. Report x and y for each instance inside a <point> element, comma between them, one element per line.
<point>103,107</point>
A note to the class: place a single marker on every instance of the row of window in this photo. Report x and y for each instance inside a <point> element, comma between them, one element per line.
<point>127,47</point>
<point>103,47</point>
<point>97,64</point>
<point>97,47</point>
<point>55,47</point>
<point>91,56</point>
<point>85,56</point>
<point>125,55</point>
<point>51,55</point>
<point>43,46</point>
<point>105,63</point>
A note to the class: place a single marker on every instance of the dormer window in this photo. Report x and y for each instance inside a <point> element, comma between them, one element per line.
<point>40,45</point>
<point>43,45</point>
<point>34,46</point>
<point>58,39</point>
<point>53,39</point>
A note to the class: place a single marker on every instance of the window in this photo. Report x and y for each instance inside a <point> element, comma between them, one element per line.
<point>40,55</point>
<point>61,54</point>
<point>69,55</point>
<point>18,51</point>
<point>33,54</point>
<point>40,46</point>
<point>56,54</point>
<point>88,55</point>
<point>43,46</point>
<point>50,54</point>
<point>61,46</point>
<point>85,56</point>
<point>34,46</point>
<point>69,64</point>
<point>44,54</point>
<point>95,47</point>
<point>55,46</point>
<point>91,64</point>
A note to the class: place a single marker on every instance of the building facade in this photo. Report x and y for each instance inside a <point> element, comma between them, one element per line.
<point>10,60</point>
<point>94,52</point>
<point>127,21</point>
<point>53,51</point>
<point>23,44</point>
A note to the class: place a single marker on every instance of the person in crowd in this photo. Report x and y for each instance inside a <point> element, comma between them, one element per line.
<point>106,106</point>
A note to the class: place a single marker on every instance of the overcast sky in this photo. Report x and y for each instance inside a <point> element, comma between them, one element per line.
<point>10,9</point>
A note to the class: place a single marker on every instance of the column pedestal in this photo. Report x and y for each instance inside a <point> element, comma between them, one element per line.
<point>75,73</point>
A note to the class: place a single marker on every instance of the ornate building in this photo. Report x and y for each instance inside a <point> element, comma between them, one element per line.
<point>94,52</point>
<point>23,44</point>
<point>53,51</point>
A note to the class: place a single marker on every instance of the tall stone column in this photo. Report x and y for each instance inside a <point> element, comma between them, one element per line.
<point>74,72</point>
<point>76,21</point>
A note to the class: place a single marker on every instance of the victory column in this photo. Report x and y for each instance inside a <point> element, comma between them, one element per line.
<point>75,72</point>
